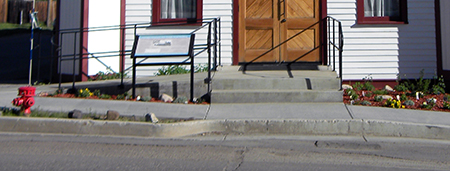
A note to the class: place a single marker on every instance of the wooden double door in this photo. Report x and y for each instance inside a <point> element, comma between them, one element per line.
<point>263,24</point>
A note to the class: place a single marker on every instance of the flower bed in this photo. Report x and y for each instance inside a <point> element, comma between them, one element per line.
<point>424,102</point>
<point>418,94</point>
<point>87,94</point>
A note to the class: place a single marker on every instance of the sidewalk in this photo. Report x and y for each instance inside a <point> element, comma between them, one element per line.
<point>327,118</point>
<point>227,111</point>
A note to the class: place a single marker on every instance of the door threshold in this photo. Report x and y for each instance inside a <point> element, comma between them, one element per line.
<point>281,66</point>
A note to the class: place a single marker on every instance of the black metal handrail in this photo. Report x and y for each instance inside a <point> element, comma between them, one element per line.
<point>334,46</point>
<point>331,43</point>
<point>214,59</point>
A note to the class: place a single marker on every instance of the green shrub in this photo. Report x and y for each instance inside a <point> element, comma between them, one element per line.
<point>97,93</point>
<point>177,69</point>
<point>352,93</point>
<point>409,103</point>
<point>356,102</point>
<point>106,76</point>
<point>439,87</point>
<point>349,91</point>
<point>354,96</point>
<point>366,103</point>
<point>105,96</point>
<point>401,87</point>
<point>429,104</point>
<point>357,86</point>
<point>368,94</point>
<point>403,97</point>
<point>446,105</point>
<point>378,99</point>
<point>426,105</point>
<point>180,99</point>
<point>201,68</point>
<point>368,86</point>
<point>447,98</point>
<point>380,92</point>
<point>421,85</point>
<point>146,98</point>
<point>121,96</point>
<point>172,69</point>
<point>59,91</point>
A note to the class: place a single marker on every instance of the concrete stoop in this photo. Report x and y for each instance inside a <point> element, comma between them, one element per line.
<point>276,87</point>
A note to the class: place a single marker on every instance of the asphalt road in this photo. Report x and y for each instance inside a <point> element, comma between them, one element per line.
<point>217,152</point>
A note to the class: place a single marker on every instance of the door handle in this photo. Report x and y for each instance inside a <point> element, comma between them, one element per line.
<point>279,10</point>
<point>284,11</point>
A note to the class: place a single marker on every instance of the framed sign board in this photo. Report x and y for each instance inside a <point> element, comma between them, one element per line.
<point>160,45</point>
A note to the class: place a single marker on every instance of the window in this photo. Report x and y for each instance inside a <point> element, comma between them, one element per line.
<point>382,12</point>
<point>177,11</point>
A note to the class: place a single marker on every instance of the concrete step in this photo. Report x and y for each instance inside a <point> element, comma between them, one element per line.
<point>275,96</point>
<point>275,86</point>
<point>311,83</point>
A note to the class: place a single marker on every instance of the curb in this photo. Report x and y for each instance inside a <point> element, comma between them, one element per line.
<point>351,127</point>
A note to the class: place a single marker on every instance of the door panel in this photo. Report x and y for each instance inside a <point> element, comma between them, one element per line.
<point>256,30</point>
<point>263,24</point>
<point>302,41</point>
<point>301,14</point>
<point>259,39</point>
<point>300,8</point>
<point>259,9</point>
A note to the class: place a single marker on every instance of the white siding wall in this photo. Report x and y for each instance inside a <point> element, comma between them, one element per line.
<point>139,11</point>
<point>387,51</point>
<point>103,13</point>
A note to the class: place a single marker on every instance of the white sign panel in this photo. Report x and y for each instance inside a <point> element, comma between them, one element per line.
<point>163,45</point>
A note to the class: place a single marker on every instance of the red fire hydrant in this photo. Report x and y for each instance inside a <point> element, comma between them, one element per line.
<point>26,100</point>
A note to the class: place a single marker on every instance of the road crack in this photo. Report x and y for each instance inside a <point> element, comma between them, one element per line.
<point>237,160</point>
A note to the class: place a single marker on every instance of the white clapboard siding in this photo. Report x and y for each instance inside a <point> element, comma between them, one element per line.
<point>103,13</point>
<point>386,52</point>
<point>139,11</point>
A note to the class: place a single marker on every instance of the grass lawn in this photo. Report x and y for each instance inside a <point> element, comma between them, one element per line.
<point>6,26</point>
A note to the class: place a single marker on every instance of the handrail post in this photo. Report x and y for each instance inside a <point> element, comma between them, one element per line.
<point>334,42</point>
<point>59,59</point>
<point>341,46</point>
<point>220,42</point>
<point>329,42</point>
<point>192,76</point>
<point>122,55</point>
<point>209,57</point>
<point>74,59</point>
<point>215,44</point>
<point>133,82</point>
